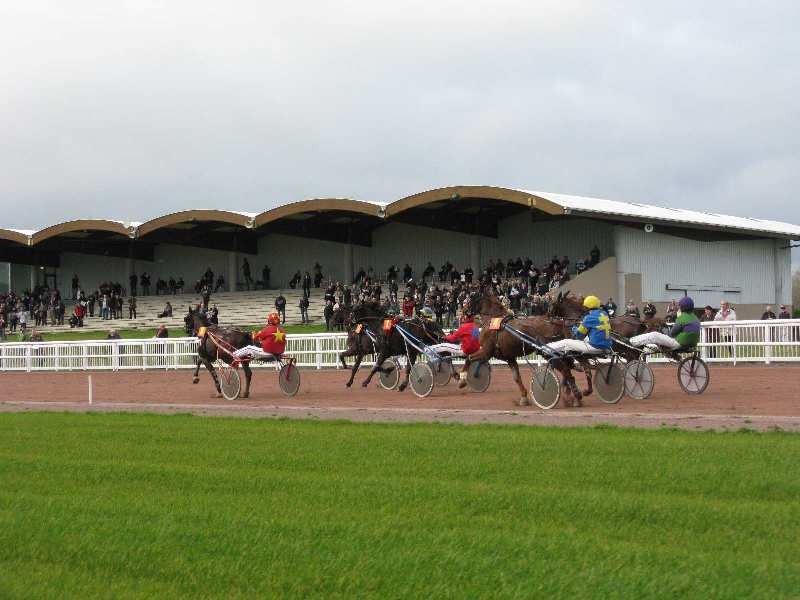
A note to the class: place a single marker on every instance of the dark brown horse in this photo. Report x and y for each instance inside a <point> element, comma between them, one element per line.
<point>362,334</point>
<point>390,342</point>
<point>500,343</point>
<point>208,351</point>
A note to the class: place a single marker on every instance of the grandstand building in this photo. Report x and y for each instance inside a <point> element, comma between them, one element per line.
<point>647,252</point>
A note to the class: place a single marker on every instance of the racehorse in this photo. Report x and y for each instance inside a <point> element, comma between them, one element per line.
<point>213,338</point>
<point>390,342</point>
<point>359,342</point>
<point>502,344</point>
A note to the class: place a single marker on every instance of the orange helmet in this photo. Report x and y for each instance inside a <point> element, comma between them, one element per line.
<point>273,318</point>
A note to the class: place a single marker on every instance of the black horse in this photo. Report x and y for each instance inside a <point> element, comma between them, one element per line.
<point>391,343</point>
<point>362,334</point>
<point>208,351</point>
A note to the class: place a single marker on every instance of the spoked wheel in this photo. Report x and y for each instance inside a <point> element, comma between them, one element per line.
<point>545,387</point>
<point>609,381</point>
<point>442,371</point>
<point>693,375</point>
<point>479,376</point>
<point>639,380</point>
<point>421,379</point>
<point>389,374</point>
<point>229,382</point>
<point>289,379</point>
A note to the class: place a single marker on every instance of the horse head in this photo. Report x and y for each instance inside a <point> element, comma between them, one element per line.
<point>366,310</point>
<point>566,306</point>
<point>193,321</point>
<point>484,302</point>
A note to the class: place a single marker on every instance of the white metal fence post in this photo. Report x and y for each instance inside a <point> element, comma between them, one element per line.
<point>768,343</point>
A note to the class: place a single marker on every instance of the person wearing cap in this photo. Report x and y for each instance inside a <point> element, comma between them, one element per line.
<point>684,334</point>
<point>592,336</point>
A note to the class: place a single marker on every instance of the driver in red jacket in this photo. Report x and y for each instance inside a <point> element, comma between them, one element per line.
<point>468,336</point>
<point>272,338</point>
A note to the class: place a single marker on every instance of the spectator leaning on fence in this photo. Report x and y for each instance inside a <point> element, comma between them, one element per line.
<point>768,314</point>
<point>726,313</point>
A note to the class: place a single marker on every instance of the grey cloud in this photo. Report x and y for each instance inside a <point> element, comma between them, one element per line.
<point>128,110</point>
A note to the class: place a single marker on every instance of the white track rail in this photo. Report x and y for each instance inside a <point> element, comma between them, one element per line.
<point>740,341</point>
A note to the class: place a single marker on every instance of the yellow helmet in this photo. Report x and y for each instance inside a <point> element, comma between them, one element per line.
<point>591,302</point>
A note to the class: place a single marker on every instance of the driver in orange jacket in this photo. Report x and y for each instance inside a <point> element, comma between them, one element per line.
<point>272,338</point>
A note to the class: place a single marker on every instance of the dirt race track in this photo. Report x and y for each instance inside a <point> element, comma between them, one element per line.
<point>755,397</point>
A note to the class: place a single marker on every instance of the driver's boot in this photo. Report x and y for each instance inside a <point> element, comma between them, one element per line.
<point>462,379</point>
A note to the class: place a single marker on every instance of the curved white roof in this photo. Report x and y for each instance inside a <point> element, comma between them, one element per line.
<point>599,206</point>
<point>551,202</point>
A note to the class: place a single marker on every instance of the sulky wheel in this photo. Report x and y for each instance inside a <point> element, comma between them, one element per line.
<point>545,387</point>
<point>442,371</point>
<point>389,375</point>
<point>693,375</point>
<point>479,376</point>
<point>421,379</point>
<point>609,381</point>
<point>229,382</point>
<point>289,379</point>
<point>639,380</point>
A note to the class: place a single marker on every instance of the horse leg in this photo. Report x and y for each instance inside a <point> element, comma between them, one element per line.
<point>569,379</point>
<point>588,391</point>
<point>196,376</point>
<point>412,358</point>
<point>378,362</point>
<point>523,398</point>
<point>248,373</point>
<point>354,369</point>
<point>211,370</point>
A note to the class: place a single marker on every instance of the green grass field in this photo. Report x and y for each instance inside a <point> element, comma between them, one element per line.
<point>118,506</point>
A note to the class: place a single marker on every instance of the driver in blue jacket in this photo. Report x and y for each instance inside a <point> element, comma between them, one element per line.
<point>592,336</point>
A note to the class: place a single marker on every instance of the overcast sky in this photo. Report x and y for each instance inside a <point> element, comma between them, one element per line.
<point>128,110</point>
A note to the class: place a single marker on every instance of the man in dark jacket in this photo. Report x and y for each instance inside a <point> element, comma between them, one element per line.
<point>304,309</point>
<point>280,306</point>
<point>768,314</point>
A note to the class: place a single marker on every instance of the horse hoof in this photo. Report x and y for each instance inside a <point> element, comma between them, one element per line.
<point>523,402</point>
<point>216,395</point>
<point>365,384</point>
<point>244,396</point>
<point>196,380</point>
<point>402,387</point>
<point>349,383</point>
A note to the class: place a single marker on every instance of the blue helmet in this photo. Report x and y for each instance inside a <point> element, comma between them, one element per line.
<point>686,304</point>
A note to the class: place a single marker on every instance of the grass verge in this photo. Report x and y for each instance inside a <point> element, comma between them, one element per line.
<point>125,506</point>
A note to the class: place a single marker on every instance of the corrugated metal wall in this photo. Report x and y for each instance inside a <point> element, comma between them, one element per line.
<point>286,254</point>
<point>663,259</point>
<point>519,236</point>
<point>398,244</point>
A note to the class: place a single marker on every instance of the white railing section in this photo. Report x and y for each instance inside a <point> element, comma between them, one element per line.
<point>730,342</point>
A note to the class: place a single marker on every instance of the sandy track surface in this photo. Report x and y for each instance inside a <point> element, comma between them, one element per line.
<point>753,397</point>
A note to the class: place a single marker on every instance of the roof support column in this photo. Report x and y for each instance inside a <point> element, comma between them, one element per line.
<point>475,255</point>
<point>348,257</point>
<point>233,270</point>
<point>34,277</point>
